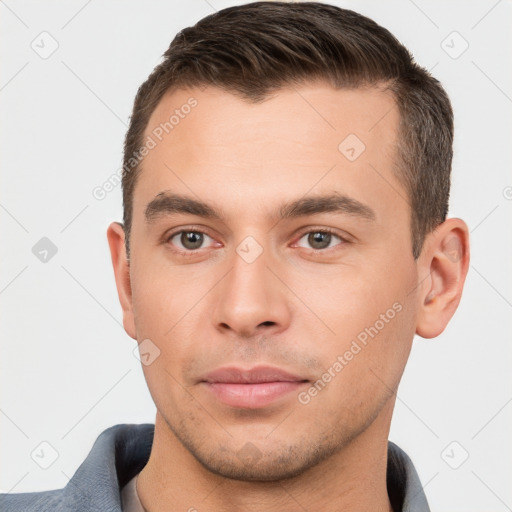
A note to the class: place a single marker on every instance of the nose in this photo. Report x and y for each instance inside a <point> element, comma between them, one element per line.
<point>252,300</point>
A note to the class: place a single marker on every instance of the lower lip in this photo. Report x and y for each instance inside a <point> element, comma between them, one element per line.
<point>252,396</point>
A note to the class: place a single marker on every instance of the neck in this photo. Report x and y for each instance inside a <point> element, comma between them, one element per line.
<point>353,479</point>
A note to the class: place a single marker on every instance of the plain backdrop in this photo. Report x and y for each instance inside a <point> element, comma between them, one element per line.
<point>68,75</point>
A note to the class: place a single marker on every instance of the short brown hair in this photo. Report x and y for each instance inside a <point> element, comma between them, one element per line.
<point>254,49</point>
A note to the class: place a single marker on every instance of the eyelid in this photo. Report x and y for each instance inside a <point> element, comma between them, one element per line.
<point>324,229</point>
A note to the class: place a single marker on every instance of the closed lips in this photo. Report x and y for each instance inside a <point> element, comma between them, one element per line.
<point>257,375</point>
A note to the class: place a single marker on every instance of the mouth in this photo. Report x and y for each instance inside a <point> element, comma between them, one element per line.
<point>251,388</point>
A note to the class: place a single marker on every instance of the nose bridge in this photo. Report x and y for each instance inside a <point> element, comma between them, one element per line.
<point>249,274</point>
<point>250,295</point>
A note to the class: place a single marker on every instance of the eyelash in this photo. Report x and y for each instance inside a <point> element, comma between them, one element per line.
<point>188,253</point>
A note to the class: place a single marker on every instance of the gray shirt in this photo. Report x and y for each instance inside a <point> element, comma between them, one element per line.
<point>120,453</point>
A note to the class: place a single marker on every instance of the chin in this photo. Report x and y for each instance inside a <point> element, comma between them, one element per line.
<point>281,461</point>
<point>268,469</point>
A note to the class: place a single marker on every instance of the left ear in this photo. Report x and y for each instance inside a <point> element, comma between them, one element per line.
<point>442,269</point>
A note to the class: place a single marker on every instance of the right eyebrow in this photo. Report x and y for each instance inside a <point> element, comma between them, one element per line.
<point>166,203</point>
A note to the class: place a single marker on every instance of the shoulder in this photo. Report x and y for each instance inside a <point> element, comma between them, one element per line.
<point>31,501</point>
<point>117,455</point>
<point>404,486</point>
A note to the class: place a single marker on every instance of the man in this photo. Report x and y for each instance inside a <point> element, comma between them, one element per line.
<point>285,188</point>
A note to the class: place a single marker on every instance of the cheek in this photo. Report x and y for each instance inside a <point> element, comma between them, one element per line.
<point>361,371</point>
<point>348,298</point>
<point>364,314</point>
<point>162,295</point>
<point>167,390</point>
<point>167,305</point>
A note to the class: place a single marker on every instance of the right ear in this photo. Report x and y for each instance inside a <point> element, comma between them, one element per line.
<point>116,236</point>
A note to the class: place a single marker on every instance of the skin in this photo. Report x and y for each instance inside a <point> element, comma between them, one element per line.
<point>292,307</point>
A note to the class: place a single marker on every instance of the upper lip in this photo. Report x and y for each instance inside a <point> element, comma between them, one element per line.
<point>256,375</point>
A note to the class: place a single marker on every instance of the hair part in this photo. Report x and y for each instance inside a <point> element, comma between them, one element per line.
<point>255,49</point>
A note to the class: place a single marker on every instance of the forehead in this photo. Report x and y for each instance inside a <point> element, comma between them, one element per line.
<point>208,139</point>
<point>302,113</point>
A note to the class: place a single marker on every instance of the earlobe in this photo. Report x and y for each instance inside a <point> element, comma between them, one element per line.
<point>116,242</point>
<point>444,262</point>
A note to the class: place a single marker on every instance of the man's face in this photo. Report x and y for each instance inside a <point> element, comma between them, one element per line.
<point>262,290</point>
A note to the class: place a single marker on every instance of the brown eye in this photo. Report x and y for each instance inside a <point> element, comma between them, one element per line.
<point>189,240</point>
<point>319,240</point>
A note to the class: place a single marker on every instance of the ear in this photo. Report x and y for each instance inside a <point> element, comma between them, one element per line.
<point>442,269</point>
<point>116,236</point>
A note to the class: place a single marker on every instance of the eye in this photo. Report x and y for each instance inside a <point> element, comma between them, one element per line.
<point>191,241</point>
<point>320,239</point>
<point>188,240</point>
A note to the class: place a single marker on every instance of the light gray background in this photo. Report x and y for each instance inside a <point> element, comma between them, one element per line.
<point>67,366</point>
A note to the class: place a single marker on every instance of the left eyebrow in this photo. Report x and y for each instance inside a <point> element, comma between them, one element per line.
<point>332,203</point>
<point>166,203</point>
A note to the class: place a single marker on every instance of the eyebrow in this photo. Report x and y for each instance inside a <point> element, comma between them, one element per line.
<point>166,203</point>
